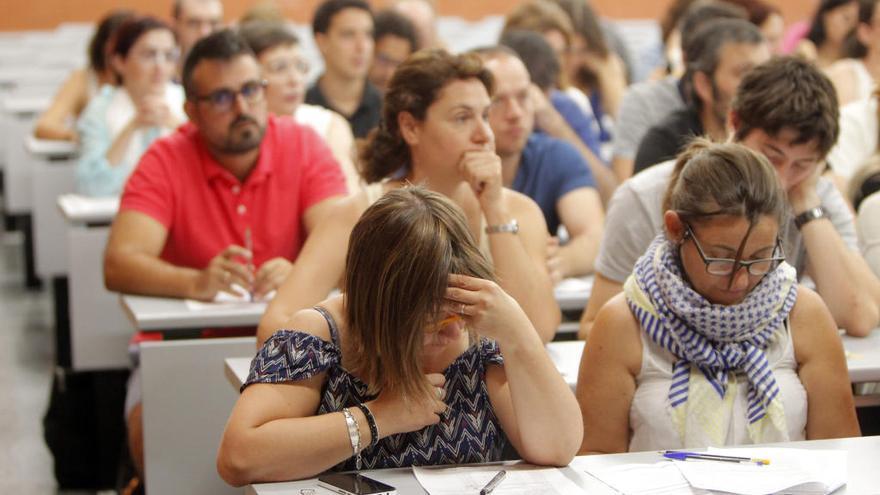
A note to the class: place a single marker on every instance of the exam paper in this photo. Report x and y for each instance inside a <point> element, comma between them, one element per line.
<point>222,299</point>
<point>794,471</point>
<point>521,479</point>
<point>661,478</point>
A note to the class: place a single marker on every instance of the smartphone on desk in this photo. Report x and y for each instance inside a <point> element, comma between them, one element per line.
<point>354,484</point>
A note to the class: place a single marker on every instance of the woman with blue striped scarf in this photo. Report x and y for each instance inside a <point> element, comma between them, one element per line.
<point>712,342</point>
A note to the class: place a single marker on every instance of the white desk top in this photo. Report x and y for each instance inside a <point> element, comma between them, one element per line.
<point>861,470</point>
<point>18,105</point>
<point>46,148</point>
<point>863,357</point>
<point>170,314</point>
<point>80,209</point>
<point>572,294</point>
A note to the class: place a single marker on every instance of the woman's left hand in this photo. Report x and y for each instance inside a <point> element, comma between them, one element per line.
<point>487,308</point>
<point>482,170</point>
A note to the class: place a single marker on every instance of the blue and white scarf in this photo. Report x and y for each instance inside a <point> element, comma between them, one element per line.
<point>713,339</point>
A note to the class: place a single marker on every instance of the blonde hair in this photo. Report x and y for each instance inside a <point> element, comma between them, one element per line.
<point>400,255</point>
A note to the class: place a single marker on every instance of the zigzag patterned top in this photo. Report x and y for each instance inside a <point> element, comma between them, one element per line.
<point>468,432</point>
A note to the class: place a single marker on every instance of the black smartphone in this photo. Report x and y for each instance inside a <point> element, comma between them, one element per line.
<point>354,484</point>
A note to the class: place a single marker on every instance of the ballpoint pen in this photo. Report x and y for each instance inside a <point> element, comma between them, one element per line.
<point>680,455</point>
<point>494,482</point>
<point>249,245</point>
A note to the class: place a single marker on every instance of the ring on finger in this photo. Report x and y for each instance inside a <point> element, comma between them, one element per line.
<point>461,308</point>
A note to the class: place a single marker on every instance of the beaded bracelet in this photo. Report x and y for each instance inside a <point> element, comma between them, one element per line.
<point>371,421</point>
<point>354,435</point>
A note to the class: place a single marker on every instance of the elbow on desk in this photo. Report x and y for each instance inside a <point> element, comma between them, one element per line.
<point>232,466</point>
<point>861,318</point>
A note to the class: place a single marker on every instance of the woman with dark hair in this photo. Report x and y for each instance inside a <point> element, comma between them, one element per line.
<point>434,131</point>
<point>406,366</point>
<point>121,122</point>
<point>855,78</point>
<point>82,84</point>
<point>712,341</point>
<point>823,39</point>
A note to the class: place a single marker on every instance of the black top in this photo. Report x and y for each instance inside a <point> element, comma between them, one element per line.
<point>665,140</point>
<point>364,119</point>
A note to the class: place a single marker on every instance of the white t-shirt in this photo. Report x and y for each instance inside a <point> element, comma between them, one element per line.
<point>869,231</point>
<point>858,137</point>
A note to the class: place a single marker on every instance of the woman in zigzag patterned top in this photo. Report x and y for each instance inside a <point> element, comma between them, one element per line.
<point>405,368</point>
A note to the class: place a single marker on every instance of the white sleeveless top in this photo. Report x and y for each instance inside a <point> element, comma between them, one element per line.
<point>863,80</point>
<point>651,424</point>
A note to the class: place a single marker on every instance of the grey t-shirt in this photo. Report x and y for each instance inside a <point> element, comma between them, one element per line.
<point>635,218</point>
<point>643,105</point>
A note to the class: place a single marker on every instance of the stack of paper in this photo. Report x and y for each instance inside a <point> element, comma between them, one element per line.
<point>521,479</point>
<point>792,471</point>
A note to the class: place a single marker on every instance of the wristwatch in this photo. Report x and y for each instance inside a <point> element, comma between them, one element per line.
<point>808,216</point>
<point>511,226</point>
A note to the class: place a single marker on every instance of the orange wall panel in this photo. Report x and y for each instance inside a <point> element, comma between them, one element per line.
<point>47,14</point>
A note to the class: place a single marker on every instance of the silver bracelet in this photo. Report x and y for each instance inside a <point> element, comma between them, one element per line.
<point>354,435</point>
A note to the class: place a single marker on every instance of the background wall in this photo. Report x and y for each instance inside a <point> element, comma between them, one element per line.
<point>47,14</point>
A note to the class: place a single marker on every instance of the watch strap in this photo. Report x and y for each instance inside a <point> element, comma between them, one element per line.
<point>808,216</point>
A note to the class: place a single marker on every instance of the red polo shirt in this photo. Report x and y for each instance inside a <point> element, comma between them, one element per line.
<point>205,208</point>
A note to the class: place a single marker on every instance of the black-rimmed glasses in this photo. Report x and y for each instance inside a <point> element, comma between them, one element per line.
<point>222,100</point>
<point>726,266</point>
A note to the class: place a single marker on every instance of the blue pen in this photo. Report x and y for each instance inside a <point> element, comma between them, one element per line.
<point>680,455</point>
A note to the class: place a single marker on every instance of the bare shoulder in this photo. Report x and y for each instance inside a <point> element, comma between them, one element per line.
<point>812,326</point>
<point>311,321</point>
<point>617,333</point>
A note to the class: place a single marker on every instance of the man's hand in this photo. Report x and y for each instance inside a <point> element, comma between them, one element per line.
<point>271,275</point>
<point>222,272</point>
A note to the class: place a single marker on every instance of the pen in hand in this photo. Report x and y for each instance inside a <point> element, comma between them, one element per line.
<point>249,245</point>
<point>494,482</point>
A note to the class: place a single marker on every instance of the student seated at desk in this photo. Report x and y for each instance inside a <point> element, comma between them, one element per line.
<point>406,368</point>
<point>435,131</point>
<point>712,341</point>
<point>121,122</point>
<point>231,175</point>
<point>57,122</point>
<point>285,69</point>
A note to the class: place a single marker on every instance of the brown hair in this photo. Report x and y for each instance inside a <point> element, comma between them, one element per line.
<point>724,179</point>
<point>788,93</point>
<point>413,88</point>
<point>400,255</point>
<point>540,16</point>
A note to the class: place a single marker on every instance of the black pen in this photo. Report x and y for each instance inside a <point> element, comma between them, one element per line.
<point>493,483</point>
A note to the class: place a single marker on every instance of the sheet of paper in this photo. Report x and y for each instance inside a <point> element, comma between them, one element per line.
<point>661,478</point>
<point>521,479</point>
<point>792,470</point>
<point>575,285</point>
<point>222,299</point>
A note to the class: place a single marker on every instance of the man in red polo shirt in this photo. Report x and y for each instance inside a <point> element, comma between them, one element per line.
<point>233,178</point>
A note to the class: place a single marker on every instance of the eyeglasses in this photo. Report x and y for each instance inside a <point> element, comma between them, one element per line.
<point>158,56</point>
<point>278,67</point>
<point>222,100</point>
<point>726,266</point>
<point>442,323</point>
